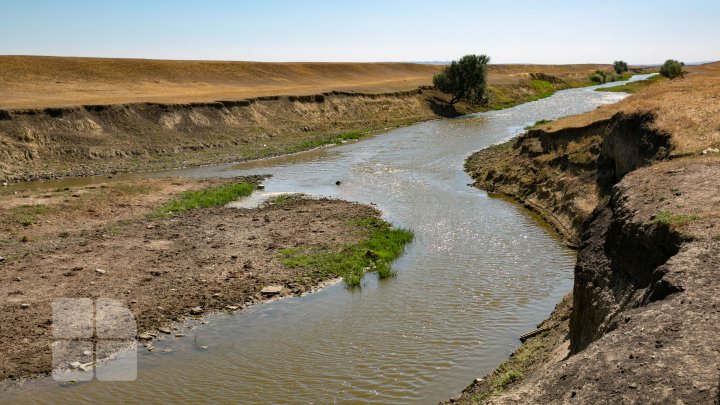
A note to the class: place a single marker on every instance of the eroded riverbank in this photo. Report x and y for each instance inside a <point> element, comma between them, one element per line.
<point>479,273</point>
<point>641,327</point>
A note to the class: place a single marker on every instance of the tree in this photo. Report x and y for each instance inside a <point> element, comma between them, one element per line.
<point>620,66</point>
<point>671,69</point>
<point>465,79</point>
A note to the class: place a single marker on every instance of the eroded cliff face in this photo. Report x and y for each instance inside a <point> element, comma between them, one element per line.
<point>645,320</point>
<point>564,174</point>
<point>55,142</point>
<point>645,323</point>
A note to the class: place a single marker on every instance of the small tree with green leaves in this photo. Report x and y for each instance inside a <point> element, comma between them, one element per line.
<point>620,66</point>
<point>465,79</point>
<point>671,69</point>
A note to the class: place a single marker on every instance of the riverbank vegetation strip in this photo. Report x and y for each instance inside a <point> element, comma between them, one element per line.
<point>376,252</point>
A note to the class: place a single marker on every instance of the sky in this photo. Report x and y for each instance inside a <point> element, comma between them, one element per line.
<point>509,31</point>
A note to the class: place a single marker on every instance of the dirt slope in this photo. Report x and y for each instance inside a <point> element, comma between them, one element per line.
<point>643,326</point>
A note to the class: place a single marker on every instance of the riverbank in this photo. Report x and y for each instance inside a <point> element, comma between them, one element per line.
<point>631,185</point>
<point>89,125</point>
<point>165,261</point>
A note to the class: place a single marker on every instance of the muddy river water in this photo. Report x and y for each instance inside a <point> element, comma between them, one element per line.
<point>480,272</point>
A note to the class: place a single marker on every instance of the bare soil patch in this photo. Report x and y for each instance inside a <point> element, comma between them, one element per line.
<point>160,268</point>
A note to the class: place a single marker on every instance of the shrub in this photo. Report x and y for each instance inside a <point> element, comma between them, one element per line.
<point>671,69</point>
<point>465,79</point>
<point>620,66</point>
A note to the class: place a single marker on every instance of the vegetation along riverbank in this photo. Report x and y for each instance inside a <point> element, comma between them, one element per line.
<point>633,186</point>
<point>64,117</point>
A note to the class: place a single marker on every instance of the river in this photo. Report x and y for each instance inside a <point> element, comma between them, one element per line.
<point>480,272</point>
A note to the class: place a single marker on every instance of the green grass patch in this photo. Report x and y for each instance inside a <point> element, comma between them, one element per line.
<point>336,139</point>
<point>26,215</point>
<point>670,219</point>
<point>284,199</point>
<point>512,370</point>
<point>543,88</point>
<point>632,87</point>
<point>210,197</point>
<point>383,245</point>
<point>538,123</point>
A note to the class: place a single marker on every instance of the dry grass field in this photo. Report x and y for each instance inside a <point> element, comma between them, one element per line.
<point>688,108</point>
<point>40,81</point>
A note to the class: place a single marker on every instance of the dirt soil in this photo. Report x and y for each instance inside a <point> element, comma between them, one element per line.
<point>638,193</point>
<point>53,243</point>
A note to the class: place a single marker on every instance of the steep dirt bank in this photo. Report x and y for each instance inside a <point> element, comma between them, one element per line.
<point>102,242</point>
<point>643,326</point>
<point>563,174</point>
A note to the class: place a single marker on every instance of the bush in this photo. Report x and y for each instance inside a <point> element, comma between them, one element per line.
<point>465,79</point>
<point>620,66</point>
<point>671,69</point>
<point>602,77</point>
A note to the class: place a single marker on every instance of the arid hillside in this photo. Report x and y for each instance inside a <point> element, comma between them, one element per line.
<point>39,81</point>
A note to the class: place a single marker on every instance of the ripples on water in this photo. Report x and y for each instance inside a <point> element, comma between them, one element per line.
<point>480,272</point>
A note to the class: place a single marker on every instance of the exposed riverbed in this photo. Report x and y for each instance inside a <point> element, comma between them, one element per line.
<point>480,272</point>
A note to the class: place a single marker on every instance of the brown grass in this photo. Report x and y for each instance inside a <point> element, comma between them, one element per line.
<point>688,108</point>
<point>39,81</point>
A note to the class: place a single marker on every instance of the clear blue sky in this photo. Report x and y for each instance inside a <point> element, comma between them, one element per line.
<point>510,31</point>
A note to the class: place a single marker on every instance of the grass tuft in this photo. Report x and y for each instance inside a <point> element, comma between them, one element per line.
<point>512,370</point>
<point>537,124</point>
<point>632,87</point>
<point>383,245</point>
<point>283,199</point>
<point>26,215</point>
<point>210,197</point>
<point>670,219</point>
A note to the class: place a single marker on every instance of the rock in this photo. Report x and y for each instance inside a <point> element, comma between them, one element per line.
<point>260,187</point>
<point>17,279</point>
<point>99,271</point>
<point>232,308</point>
<point>145,336</point>
<point>151,226</point>
<point>2,259</point>
<point>216,295</point>
<point>196,311</point>
<point>75,364</point>
<point>337,183</point>
<point>165,329</point>
<point>271,290</point>
<point>25,306</point>
<point>87,352</point>
<point>179,335</point>
<point>203,347</point>
<point>5,184</point>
